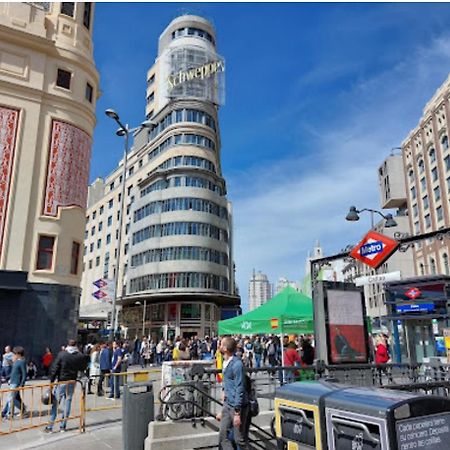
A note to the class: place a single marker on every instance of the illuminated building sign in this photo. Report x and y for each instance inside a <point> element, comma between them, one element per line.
<point>207,70</point>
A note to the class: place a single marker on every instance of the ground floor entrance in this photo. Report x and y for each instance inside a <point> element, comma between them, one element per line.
<point>418,314</point>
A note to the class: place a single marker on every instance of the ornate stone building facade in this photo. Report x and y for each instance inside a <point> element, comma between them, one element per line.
<point>48,90</point>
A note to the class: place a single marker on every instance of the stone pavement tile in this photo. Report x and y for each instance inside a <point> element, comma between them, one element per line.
<point>95,438</point>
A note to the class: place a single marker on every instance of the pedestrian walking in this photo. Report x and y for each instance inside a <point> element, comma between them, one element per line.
<point>105,366</point>
<point>7,363</point>
<point>65,368</point>
<point>17,379</point>
<point>94,367</point>
<point>116,368</point>
<point>235,411</point>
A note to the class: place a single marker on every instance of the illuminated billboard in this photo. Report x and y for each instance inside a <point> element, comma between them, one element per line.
<point>194,72</point>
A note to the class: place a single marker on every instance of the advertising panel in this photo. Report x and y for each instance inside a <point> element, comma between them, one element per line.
<point>347,335</point>
<point>194,72</point>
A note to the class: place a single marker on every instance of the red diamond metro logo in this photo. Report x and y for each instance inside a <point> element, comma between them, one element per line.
<point>413,293</point>
<point>374,249</point>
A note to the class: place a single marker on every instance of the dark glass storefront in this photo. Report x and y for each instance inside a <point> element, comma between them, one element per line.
<point>418,312</point>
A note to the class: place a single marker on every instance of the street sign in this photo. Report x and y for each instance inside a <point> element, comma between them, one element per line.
<point>100,295</point>
<point>374,249</point>
<point>100,283</point>
<point>106,289</point>
<point>380,278</point>
<point>413,293</point>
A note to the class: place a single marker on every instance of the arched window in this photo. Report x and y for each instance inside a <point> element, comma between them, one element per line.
<point>432,154</point>
<point>432,266</point>
<point>445,261</point>
<point>444,142</point>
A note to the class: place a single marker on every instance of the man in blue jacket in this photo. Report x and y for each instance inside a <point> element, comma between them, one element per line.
<point>17,379</point>
<point>105,366</point>
<point>235,411</point>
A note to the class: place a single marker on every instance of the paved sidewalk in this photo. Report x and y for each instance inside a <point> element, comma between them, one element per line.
<point>103,428</point>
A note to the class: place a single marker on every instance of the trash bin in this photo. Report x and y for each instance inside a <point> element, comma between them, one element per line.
<point>138,410</point>
<point>381,419</point>
<point>299,418</point>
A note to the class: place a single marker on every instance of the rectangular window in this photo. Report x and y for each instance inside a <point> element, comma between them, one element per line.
<point>437,193</point>
<point>428,221</point>
<point>108,238</point>
<point>99,243</point>
<point>425,202</point>
<point>100,226</point>
<point>92,231</point>
<point>94,215</point>
<point>439,213</point>
<point>109,221</point>
<point>89,92</point>
<point>423,184</point>
<point>434,174</point>
<point>110,203</point>
<point>111,186</point>
<point>75,258</point>
<point>97,261</point>
<point>91,247</point>
<point>131,170</point>
<point>413,192</point>
<point>87,14</point>
<point>90,264</point>
<point>447,163</point>
<point>45,253</point>
<point>63,79</point>
<point>129,189</point>
<point>101,210</point>
<point>68,8</point>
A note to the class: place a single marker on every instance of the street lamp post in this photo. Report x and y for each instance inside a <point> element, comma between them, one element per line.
<point>353,216</point>
<point>143,315</point>
<point>124,131</point>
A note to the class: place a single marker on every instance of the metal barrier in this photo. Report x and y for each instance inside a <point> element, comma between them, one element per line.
<point>32,412</point>
<point>97,400</point>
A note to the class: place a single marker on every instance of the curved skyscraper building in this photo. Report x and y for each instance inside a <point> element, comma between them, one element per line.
<point>177,265</point>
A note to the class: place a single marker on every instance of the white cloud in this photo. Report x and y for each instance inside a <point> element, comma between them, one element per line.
<point>281,209</point>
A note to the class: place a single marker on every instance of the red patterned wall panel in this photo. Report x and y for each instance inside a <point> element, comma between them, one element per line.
<point>9,120</point>
<point>68,168</point>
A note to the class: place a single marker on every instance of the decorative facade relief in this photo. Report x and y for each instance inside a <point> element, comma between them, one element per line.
<point>9,120</point>
<point>68,168</point>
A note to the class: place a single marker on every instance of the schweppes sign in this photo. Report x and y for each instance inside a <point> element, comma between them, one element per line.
<point>207,70</point>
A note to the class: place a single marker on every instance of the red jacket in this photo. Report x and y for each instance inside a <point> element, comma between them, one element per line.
<point>291,356</point>
<point>381,354</point>
<point>47,360</point>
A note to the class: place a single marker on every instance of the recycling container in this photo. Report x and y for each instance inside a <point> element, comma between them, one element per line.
<point>138,410</point>
<point>299,418</point>
<point>360,418</point>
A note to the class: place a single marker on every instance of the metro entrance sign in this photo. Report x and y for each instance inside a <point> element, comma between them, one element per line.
<point>374,249</point>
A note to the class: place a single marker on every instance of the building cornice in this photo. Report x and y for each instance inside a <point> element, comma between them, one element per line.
<point>48,47</point>
<point>38,96</point>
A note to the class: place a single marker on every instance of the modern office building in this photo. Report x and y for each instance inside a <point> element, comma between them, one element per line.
<point>48,91</point>
<point>259,290</point>
<point>176,272</point>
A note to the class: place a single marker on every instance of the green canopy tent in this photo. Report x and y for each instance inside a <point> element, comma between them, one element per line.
<point>287,312</point>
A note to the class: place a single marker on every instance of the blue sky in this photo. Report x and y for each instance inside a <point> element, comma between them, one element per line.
<point>316,96</point>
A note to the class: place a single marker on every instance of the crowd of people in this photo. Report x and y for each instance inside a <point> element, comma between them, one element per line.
<point>104,359</point>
